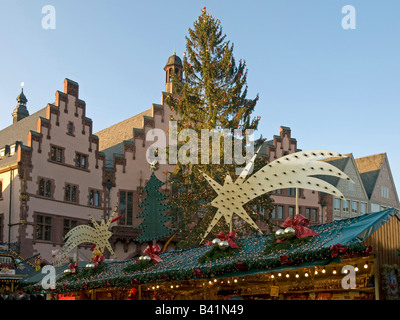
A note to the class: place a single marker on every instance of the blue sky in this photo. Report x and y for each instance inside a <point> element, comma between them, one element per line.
<point>336,89</point>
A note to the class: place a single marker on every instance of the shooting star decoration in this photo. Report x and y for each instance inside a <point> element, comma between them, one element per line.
<point>296,170</point>
<point>98,236</point>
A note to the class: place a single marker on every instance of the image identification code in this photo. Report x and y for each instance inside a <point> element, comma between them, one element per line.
<point>221,309</point>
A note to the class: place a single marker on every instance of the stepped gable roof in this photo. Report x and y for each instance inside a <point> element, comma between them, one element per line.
<point>111,138</point>
<point>185,265</point>
<point>19,131</point>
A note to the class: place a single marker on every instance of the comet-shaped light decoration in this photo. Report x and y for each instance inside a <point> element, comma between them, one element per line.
<point>296,170</point>
<point>99,235</point>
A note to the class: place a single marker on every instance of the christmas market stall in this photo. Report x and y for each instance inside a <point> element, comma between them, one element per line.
<point>13,268</point>
<point>353,258</point>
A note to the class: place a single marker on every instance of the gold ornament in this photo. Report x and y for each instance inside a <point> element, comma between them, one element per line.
<point>280,234</point>
<point>289,232</point>
<point>223,245</point>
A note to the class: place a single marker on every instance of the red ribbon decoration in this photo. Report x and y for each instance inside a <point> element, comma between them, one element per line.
<point>198,273</point>
<point>229,238</point>
<point>299,224</point>
<point>153,252</point>
<point>241,266</point>
<point>73,266</point>
<point>336,249</point>
<point>117,218</point>
<point>284,259</point>
<point>97,259</point>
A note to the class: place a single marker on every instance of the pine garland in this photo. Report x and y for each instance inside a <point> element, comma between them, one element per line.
<point>216,253</point>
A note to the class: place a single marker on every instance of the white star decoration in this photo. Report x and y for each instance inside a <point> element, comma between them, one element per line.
<point>290,171</point>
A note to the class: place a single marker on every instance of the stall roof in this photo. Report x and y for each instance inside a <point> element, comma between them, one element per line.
<point>250,258</point>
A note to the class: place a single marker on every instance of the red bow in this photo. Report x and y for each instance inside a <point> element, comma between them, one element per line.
<point>229,238</point>
<point>241,266</point>
<point>284,259</point>
<point>153,252</point>
<point>336,249</point>
<point>97,259</point>
<point>299,224</point>
<point>198,273</point>
<point>73,266</point>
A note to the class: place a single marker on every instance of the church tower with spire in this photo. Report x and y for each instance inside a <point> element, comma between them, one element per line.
<point>174,64</point>
<point>20,112</point>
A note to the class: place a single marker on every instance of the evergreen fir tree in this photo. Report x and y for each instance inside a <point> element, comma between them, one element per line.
<point>212,95</point>
<point>153,225</point>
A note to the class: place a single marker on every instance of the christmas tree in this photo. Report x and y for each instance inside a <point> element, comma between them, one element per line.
<point>153,225</point>
<point>213,96</point>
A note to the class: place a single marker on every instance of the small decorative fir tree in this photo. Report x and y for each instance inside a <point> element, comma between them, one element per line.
<point>153,225</point>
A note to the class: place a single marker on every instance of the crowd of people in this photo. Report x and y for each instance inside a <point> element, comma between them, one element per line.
<point>21,295</point>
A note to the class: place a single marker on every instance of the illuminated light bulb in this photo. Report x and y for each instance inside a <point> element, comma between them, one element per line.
<point>157,287</point>
<point>287,275</point>
<point>279,274</point>
<point>323,270</point>
<point>272,276</point>
<point>345,271</point>
<point>215,280</point>
<point>172,286</point>
<point>316,272</point>
<point>334,271</point>
<point>366,265</point>
<point>297,275</point>
<point>153,288</point>
<point>235,280</point>
<point>210,282</point>
<point>356,268</point>
<point>306,274</point>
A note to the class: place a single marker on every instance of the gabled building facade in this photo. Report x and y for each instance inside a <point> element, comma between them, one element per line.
<point>55,173</point>
<point>51,174</point>
<point>356,199</point>
<point>378,182</point>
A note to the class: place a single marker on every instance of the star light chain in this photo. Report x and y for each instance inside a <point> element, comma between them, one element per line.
<point>290,171</point>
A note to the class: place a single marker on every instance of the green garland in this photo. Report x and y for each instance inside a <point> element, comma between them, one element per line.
<point>216,253</point>
<point>127,279</point>
<point>138,266</point>
<point>272,246</point>
<point>84,273</point>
